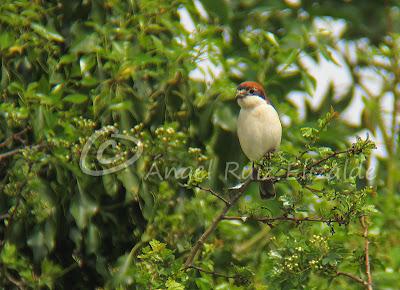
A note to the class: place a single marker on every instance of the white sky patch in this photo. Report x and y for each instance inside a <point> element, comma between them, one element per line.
<point>286,121</point>
<point>200,8</point>
<point>382,60</point>
<point>298,99</point>
<point>326,72</point>
<point>181,40</point>
<point>206,70</point>
<point>236,68</point>
<point>372,170</point>
<point>380,144</point>
<point>334,27</point>
<point>348,49</point>
<point>186,20</point>
<point>372,81</point>
<point>353,113</point>
<point>387,109</point>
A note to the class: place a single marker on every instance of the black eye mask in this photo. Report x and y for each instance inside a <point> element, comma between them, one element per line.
<point>258,94</point>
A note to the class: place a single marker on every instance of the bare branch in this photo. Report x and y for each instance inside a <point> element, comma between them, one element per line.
<point>13,280</point>
<point>368,283</point>
<point>9,153</point>
<point>213,193</point>
<point>203,238</point>
<point>334,154</point>
<point>364,225</point>
<point>16,151</point>
<point>284,218</point>
<point>353,277</point>
<point>16,136</point>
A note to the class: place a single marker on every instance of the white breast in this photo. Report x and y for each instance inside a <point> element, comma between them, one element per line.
<point>259,130</point>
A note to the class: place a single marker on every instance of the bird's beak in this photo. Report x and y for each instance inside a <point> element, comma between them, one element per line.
<point>240,94</point>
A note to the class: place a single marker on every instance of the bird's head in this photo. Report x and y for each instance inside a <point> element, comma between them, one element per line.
<point>250,94</point>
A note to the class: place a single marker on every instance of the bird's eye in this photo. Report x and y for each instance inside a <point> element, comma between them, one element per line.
<point>251,91</point>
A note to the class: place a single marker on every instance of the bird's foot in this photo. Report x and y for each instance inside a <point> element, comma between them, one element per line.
<point>269,155</point>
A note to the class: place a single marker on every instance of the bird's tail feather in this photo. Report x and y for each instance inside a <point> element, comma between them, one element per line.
<point>267,189</point>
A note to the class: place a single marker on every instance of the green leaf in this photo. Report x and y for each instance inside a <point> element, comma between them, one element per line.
<point>47,33</point>
<point>50,272</point>
<point>217,8</point>
<point>110,183</point>
<point>76,98</point>
<point>6,40</point>
<point>308,132</point>
<point>37,242</point>
<point>86,63</point>
<point>224,118</point>
<point>67,58</point>
<point>204,284</point>
<point>82,209</point>
<point>310,83</point>
<point>271,38</point>
<point>327,54</point>
<point>173,285</point>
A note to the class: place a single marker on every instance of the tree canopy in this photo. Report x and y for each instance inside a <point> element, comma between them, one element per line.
<point>120,167</point>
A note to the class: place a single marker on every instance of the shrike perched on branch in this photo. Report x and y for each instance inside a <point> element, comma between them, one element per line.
<point>259,127</point>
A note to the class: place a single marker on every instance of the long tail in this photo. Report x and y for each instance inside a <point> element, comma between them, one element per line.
<point>267,189</point>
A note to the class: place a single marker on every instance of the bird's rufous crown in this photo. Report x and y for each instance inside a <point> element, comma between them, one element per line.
<point>252,85</point>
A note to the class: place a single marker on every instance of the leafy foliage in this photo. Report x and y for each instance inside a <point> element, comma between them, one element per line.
<point>88,72</point>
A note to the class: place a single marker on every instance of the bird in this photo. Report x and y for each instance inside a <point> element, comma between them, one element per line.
<point>259,128</point>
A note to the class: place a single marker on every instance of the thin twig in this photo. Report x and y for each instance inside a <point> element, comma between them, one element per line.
<point>353,277</point>
<point>334,154</point>
<point>9,153</point>
<point>13,280</point>
<point>283,218</point>
<point>203,238</point>
<point>16,151</point>
<point>13,136</point>
<point>210,272</point>
<point>209,190</point>
<point>364,225</point>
